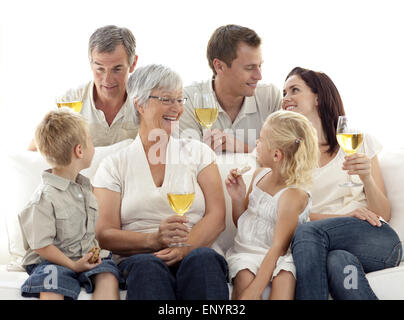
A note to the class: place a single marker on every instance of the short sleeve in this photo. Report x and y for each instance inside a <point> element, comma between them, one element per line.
<point>371,146</point>
<point>38,224</point>
<point>207,156</point>
<point>107,175</point>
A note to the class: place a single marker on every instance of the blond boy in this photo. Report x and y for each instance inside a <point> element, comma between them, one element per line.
<point>58,224</point>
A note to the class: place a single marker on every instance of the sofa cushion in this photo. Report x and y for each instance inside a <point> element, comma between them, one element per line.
<point>24,172</point>
<point>392,166</point>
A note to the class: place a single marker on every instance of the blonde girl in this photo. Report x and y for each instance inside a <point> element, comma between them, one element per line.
<point>268,214</point>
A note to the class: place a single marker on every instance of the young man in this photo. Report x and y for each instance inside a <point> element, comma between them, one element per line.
<point>105,102</point>
<point>234,55</point>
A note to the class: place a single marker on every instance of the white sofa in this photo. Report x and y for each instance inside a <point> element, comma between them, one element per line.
<point>22,173</point>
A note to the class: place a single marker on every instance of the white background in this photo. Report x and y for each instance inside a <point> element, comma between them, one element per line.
<point>359,44</point>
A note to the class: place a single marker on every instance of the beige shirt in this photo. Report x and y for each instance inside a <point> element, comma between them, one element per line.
<point>124,126</point>
<point>248,123</point>
<point>62,213</point>
<point>143,204</point>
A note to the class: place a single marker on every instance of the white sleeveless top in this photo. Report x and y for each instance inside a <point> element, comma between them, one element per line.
<point>256,228</point>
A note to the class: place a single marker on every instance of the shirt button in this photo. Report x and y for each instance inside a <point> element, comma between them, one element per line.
<point>80,195</point>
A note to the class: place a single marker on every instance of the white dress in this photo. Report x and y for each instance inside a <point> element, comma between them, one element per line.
<point>256,227</point>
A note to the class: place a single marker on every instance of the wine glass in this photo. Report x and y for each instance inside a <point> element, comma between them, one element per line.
<point>181,193</point>
<point>349,139</point>
<point>70,102</point>
<point>206,108</point>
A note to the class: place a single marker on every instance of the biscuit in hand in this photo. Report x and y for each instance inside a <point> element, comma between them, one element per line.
<point>96,254</point>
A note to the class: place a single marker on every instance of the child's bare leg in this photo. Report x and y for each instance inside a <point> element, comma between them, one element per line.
<point>50,296</point>
<point>106,287</point>
<point>283,286</point>
<point>241,281</point>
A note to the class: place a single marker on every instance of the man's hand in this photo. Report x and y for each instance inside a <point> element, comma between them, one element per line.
<point>219,140</point>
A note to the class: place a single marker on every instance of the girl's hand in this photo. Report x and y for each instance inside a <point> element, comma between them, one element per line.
<point>83,265</point>
<point>235,185</point>
<point>172,230</point>
<point>172,255</point>
<point>366,214</point>
<point>359,164</point>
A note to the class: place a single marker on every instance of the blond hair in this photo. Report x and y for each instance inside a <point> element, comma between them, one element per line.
<point>294,135</point>
<point>57,135</point>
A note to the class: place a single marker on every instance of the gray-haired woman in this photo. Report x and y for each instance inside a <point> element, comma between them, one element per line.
<point>135,220</point>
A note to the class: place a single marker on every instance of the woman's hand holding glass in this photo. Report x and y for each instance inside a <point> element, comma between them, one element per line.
<point>358,164</point>
<point>181,194</point>
<point>349,139</point>
<point>172,230</point>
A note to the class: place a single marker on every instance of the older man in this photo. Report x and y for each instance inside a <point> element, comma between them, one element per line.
<point>234,55</point>
<point>105,102</point>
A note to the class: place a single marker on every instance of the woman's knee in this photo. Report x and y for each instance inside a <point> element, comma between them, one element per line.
<point>203,255</point>
<point>337,259</point>
<point>142,264</point>
<point>306,232</point>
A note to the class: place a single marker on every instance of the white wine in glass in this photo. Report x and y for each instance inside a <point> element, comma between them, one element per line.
<point>206,109</point>
<point>350,140</point>
<point>181,194</point>
<point>74,105</point>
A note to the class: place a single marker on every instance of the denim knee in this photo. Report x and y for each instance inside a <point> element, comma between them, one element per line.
<point>204,255</point>
<point>338,258</point>
<point>140,263</point>
<point>306,232</point>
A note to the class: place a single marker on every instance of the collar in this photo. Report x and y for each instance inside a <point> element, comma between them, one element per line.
<point>61,183</point>
<point>249,104</point>
<point>125,108</point>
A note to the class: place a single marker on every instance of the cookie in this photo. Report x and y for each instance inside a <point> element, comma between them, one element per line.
<point>96,254</point>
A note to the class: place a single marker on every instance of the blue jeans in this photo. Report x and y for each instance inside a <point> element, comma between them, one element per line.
<point>332,256</point>
<point>49,277</point>
<point>201,275</point>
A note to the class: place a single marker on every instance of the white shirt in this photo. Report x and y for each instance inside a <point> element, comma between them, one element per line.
<point>124,126</point>
<point>248,123</point>
<point>328,196</point>
<point>144,205</point>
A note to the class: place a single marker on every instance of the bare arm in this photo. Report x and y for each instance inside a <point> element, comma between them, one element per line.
<point>124,242</point>
<point>206,231</point>
<point>236,188</point>
<point>291,203</point>
<point>375,191</point>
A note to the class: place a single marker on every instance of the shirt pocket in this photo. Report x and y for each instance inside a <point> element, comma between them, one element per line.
<point>64,225</point>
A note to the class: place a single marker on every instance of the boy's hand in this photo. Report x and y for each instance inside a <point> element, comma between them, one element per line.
<point>83,264</point>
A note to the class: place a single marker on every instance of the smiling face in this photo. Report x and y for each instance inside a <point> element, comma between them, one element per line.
<point>111,70</point>
<point>298,97</point>
<point>242,77</point>
<point>157,115</point>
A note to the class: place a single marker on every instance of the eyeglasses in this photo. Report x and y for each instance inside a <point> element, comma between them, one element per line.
<point>169,101</point>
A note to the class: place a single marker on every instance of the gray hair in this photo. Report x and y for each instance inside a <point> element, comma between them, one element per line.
<point>106,39</point>
<point>153,76</point>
